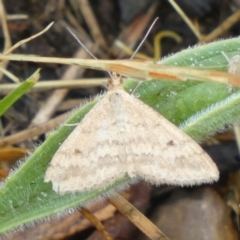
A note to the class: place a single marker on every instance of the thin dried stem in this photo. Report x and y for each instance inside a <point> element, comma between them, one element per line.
<point>53,84</point>
<point>137,218</point>
<point>92,23</point>
<point>87,214</point>
<point>9,75</point>
<point>186,19</point>
<point>7,38</point>
<point>18,44</point>
<point>33,132</point>
<point>222,28</point>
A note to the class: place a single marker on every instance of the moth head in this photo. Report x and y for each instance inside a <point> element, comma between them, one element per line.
<point>115,81</point>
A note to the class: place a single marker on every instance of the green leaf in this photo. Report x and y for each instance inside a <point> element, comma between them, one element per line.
<point>25,197</point>
<point>13,96</point>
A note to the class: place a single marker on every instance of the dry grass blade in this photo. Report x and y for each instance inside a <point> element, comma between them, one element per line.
<point>7,43</point>
<point>186,19</point>
<point>11,17</point>
<point>138,69</point>
<point>9,75</point>
<point>53,84</point>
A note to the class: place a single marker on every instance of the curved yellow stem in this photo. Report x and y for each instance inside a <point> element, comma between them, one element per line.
<point>157,45</point>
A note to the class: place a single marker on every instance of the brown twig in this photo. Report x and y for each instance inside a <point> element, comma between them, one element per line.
<point>33,132</point>
<point>87,214</point>
<point>228,23</point>
<point>8,49</point>
<point>92,23</point>
<point>186,19</point>
<point>75,23</point>
<point>136,217</point>
<point>67,226</point>
<point>7,38</point>
<point>18,44</point>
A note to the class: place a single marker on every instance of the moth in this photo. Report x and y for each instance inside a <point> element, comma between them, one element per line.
<point>123,136</point>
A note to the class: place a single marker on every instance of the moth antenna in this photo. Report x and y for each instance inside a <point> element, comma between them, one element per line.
<point>82,45</point>
<point>112,76</point>
<point>85,48</point>
<point>141,43</point>
<point>143,40</point>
